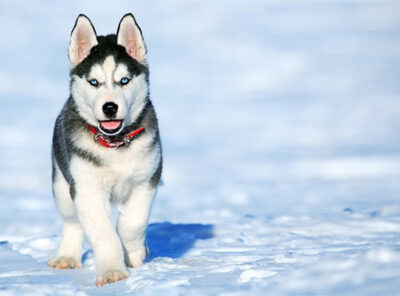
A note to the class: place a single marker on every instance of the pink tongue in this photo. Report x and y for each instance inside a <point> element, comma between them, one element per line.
<point>110,125</point>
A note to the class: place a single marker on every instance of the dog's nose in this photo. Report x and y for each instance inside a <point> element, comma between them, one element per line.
<point>110,109</point>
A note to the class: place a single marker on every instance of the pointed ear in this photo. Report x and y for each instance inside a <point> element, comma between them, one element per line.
<point>83,38</point>
<point>130,36</point>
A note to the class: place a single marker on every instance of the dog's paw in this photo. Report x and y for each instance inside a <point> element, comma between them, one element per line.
<point>111,276</point>
<point>64,262</point>
<point>135,259</point>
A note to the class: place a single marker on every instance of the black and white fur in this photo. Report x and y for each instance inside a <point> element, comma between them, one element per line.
<point>87,177</point>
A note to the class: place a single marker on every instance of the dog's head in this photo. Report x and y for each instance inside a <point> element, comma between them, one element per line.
<point>109,74</point>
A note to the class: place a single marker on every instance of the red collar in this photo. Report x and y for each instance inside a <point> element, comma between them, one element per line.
<point>108,143</point>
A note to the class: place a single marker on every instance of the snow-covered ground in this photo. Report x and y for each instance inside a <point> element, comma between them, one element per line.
<point>280,125</point>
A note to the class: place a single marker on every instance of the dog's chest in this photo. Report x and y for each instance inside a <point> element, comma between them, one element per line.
<point>123,168</point>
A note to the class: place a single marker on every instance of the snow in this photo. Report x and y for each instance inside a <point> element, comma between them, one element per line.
<point>279,122</point>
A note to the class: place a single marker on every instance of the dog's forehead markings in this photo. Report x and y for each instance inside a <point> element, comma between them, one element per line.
<point>109,66</point>
<point>97,73</point>
<point>121,71</point>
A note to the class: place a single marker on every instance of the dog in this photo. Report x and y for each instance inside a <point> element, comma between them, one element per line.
<point>106,150</point>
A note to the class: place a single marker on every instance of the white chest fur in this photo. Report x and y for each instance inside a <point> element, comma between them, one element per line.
<point>121,168</point>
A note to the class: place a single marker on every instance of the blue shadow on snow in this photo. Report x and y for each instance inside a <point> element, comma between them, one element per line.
<point>174,240</point>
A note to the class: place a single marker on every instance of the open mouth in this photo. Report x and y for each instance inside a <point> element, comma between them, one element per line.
<point>111,127</point>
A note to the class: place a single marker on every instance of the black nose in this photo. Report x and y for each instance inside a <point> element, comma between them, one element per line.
<point>110,109</point>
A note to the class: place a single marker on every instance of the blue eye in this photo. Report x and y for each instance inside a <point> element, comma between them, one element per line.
<point>93,82</point>
<point>125,81</point>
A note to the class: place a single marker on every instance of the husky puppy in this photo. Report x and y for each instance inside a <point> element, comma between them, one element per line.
<point>106,150</point>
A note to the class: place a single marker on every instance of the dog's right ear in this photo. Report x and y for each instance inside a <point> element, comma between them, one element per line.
<point>83,38</point>
<point>130,36</point>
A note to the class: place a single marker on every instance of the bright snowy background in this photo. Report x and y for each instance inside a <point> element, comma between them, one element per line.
<point>280,125</point>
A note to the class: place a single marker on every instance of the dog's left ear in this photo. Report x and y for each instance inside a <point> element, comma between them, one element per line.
<point>83,38</point>
<point>130,36</point>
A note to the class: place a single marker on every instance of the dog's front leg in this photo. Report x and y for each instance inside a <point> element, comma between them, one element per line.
<point>70,249</point>
<point>92,202</point>
<point>132,224</point>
